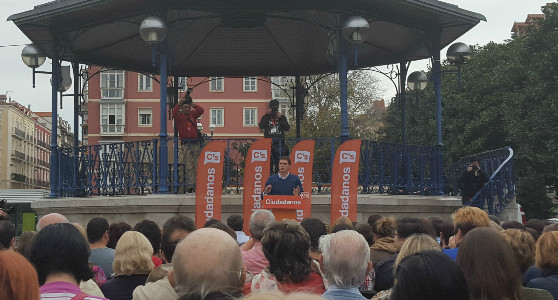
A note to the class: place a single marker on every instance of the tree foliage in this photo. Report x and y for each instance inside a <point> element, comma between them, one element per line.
<point>508,97</point>
<point>323,110</point>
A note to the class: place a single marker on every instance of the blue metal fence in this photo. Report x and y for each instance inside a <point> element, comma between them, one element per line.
<point>131,168</point>
<point>499,191</point>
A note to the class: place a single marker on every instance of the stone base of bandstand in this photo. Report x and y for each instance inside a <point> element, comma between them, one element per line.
<point>159,208</point>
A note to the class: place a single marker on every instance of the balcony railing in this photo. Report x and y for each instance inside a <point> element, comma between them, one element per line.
<point>18,132</point>
<point>19,155</point>
<point>132,167</point>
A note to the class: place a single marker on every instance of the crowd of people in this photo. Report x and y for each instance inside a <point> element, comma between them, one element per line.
<point>471,256</point>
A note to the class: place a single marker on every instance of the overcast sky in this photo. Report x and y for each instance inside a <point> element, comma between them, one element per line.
<point>15,76</point>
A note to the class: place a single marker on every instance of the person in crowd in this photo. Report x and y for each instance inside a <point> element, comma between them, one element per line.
<point>286,246</point>
<point>207,265</point>
<point>537,225</point>
<point>254,258</point>
<point>550,227</point>
<point>60,255</point>
<point>372,220</point>
<point>429,275</point>
<point>446,231</point>
<point>471,181</point>
<point>512,225</point>
<point>91,286</point>
<point>464,220</point>
<point>186,114</point>
<point>274,125</point>
<point>49,219</point>
<point>495,219</point>
<point>283,182</point>
<point>342,223</point>
<point>101,255</point>
<point>236,222</point>
<point>158,286</point>
<point>278,295</point>
<point>25,241</point>
<point>383,247</point>
<point>546,259</point>
<point>367,286</point>
<point>18,278</point>
<point>366,231</point>
<point>210,222</point>
<point>489,265</point>
<point>413,244</point>
<point>405,227</point>
<point>495,226</point>
<point>315,229</point>
<point>116,230</point>
<point>222,226</point>
<point>523,247</point>
<point>345,262</point>
<point>152,232</point>
<point>437,224</point>
<point>132,264</point>
<point>7,235</point>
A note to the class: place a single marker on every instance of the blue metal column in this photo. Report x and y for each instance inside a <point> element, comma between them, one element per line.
<point>437,79</point>
<point>77,83</point>
<point>403,98</point>
<point>54,130</point>
<point>343,69</point>
<point>163,147</point>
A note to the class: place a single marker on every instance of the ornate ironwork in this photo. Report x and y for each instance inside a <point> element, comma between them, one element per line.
<point>131,168</point>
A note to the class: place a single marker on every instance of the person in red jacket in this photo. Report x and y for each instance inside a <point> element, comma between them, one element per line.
<point>185,114</point>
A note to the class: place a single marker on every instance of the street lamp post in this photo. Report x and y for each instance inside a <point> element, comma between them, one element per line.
<point>153,30</point>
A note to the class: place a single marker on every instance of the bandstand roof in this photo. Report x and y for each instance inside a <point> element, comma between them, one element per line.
<point>241,37</point>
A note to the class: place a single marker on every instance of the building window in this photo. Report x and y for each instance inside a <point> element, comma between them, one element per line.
<point>112,118</point>
<point>112,84</point>
<point>250,84</point>
<point>145,117</point>
<point>145,83</point>
<point>217,117</point>
<point>182,83</point>
<point>216,84</point>
<point>250,116</point>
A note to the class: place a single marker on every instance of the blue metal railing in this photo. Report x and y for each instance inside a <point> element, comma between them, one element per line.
<point>131,168</point>
<point>499,191</point>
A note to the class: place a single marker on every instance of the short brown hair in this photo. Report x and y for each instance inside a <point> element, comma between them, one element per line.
<point>523,246</point>
<point>384,227</point>
<point>288,159</point>
<point>546,253</point>
<point>468,218</point>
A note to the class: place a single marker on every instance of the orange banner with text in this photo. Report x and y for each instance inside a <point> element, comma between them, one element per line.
<point>302,157</point>
<point>344,181</point>
<point>209,182</point>
<point>256,172</point>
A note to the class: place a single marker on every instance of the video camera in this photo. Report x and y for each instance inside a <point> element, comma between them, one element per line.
<point>188,100</point>
<point>9,210</point>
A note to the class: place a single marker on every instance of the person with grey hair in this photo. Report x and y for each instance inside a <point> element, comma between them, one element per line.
<point>49,219</point>
<point>345,262</point>
<point>207,265</point>
<point>254,258</point>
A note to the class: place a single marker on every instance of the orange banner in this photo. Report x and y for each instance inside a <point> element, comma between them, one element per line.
<point>256,172</point>
<point>209,182</point>
<point>302,157</point>
<point>344,181</point>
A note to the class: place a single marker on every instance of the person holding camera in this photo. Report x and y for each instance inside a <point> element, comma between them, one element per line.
<point>274,125</point>
<point>471,181</point>
<point>185,114</point>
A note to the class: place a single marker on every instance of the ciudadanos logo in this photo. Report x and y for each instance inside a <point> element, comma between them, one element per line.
<point>302,156</point>
<point>347,156</point>
<point>212,157</point>
<point>259,155</point>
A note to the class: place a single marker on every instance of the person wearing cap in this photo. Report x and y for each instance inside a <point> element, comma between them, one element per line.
<point>274,125</point>
<point>185,114</point>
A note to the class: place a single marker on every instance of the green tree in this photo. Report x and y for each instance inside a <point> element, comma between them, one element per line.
<point>323,111</point>
<point>508,96</point>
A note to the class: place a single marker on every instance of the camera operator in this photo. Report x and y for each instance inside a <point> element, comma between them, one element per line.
<point>274,125</point>
<point>471,181</point>
<point>185,114</point>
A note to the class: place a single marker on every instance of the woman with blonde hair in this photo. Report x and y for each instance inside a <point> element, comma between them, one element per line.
<point>132,265</point>
<point>546,259</point>
<point>414,243</point>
